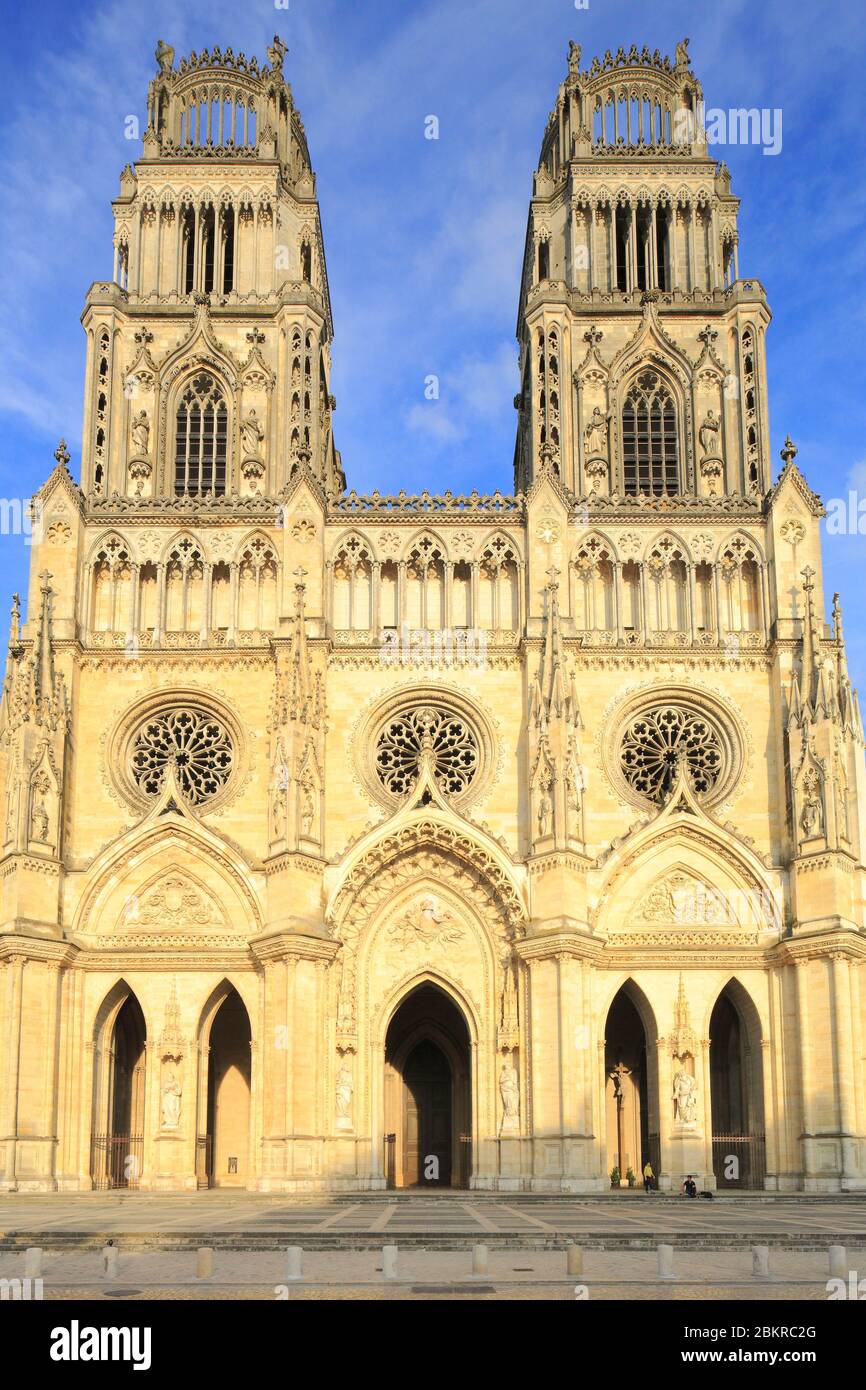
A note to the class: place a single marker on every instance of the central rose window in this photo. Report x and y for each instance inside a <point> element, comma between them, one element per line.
<point>654,740</point>
<point>201,746</point>
<point>453,742</point>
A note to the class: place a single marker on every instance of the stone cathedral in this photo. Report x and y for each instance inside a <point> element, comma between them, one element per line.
<point>504,842</point>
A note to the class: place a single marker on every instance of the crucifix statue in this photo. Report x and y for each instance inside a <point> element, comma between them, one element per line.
<point>617,1075</point>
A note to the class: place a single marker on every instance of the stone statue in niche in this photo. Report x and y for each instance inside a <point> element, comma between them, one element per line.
<point>812,814</point>
<point>573,784</point>
<point>708,434</point>
<point>595,434</point>
<point>252,463</point>
<point>685,1097</point>
<point>252,436</point>
<point>171,1095</point>
<point>140,430</point>
<point>307,805</point>
<point>509,1090</point>
<point>842,807</point>
<point>711,462</point>
<point>545,812</point>
<point>11,806</point>
<point>279,811</point>
<point>40,821</point>
<point>344,1090</point>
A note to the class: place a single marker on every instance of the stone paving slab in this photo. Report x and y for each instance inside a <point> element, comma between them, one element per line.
<point>185,1220</point>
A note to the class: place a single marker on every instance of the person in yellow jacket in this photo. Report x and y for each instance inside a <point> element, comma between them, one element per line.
<point>648,1176</point>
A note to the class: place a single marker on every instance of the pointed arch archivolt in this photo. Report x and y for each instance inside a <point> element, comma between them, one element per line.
<point>209,890</point>
<point>216,997</point>
<point>380,859</point>
<point>685,884</point>
<point>105,1016</point>
<point>427,931</point>
<point>426,893</point>
<point>748,1008</point>
<point>626,984</point>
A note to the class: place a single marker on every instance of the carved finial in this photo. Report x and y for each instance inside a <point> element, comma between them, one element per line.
<point>808,574</point>
<point>789,452</point>
<point>256,336</point>
<point>15,623</point>
<point>553,576</point>
<point>837,619</point>
<point>593,335</point>
<point>144,336</point>
<point>62,454</point>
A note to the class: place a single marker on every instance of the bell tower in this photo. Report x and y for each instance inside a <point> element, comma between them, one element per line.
<point>641,349</point>
<point>208,357</point>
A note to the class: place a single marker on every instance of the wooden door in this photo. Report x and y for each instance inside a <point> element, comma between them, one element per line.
<point>427,1118</point>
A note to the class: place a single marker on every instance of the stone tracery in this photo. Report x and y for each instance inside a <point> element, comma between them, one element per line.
<point>454,744</point>
<point>653,742</point>
<point>197,743</point>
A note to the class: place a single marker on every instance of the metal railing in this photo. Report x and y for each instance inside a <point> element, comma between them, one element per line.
<point>116,1160</point>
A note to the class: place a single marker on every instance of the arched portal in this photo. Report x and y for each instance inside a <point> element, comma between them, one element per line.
<point>736,1090</point>
<point>631,1085</point>
<point>428,1098</point>
<point>117,1142</point>
<point>228,1058</point>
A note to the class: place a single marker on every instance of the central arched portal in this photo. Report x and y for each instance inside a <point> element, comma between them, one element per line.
<point>428,1100</point>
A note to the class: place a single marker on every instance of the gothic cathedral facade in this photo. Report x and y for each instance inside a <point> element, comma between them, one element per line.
<point>491,841</point>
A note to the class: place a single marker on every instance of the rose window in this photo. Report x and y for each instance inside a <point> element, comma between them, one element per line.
<point>654,741</point>
<point>451,739</point>
<point>200,745</point>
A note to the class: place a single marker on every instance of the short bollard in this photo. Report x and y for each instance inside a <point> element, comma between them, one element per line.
<point>574,1258</point>
<point>109,1261</point>
<point>838,1262</point>
<point>33,1262</point>
<point>295,1253</point>
<point>479,1259</point>
<point>389,1261</point>
<point>760,1261</point>
<point>666,1261</point>
<point>204,1262</point>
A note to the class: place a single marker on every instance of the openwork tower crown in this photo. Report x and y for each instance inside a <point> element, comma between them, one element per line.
<point>221,101</point>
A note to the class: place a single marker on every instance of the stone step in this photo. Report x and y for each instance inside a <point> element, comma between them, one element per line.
<point>71,1241</point>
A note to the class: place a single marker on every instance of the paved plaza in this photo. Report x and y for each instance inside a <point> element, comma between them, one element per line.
<point>158,1236</point>
<point>453,1220</point>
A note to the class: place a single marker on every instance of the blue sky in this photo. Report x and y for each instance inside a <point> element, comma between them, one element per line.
<point>424,238</point>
